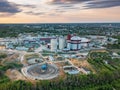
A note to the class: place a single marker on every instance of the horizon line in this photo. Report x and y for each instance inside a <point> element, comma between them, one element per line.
<point>60,23</point>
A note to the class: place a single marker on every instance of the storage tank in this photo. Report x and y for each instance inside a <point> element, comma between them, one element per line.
<point>74,46</point>
<point>79,46</point>
<point>75,42</point>
<point>61,43</point>
<point>54,44</point>
<point>69,45</point>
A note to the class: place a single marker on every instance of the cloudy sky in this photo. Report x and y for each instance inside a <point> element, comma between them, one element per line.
<point>63,11</point>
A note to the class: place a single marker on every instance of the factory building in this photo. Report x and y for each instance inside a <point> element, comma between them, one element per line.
<point>46,39</point>
<point>31,44</point>
<point>4,41</point>
<point>76,43</point>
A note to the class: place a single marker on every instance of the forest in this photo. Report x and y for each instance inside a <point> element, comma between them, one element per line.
<point>104,81</point>
<point>13,30</point>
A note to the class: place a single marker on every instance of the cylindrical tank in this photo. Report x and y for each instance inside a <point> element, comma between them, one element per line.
<point>61,43</point>
<point>69,45</point>
<point>54,44</point>
<point>79,46</point>
<point>75,41</point>
<point>74,46</point>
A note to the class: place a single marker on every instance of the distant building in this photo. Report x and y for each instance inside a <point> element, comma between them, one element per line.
<point>112,41</point>
<point>22,48</point>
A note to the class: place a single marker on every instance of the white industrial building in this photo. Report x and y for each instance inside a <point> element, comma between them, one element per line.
<point>98,39</point>
<point>76,43</point>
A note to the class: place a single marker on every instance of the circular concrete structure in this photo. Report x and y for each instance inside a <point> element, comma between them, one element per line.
<point>36,72</point>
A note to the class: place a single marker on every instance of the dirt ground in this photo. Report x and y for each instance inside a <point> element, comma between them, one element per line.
<point>82,63</point>
<point>102,50</point>
<point>14,75</point>
<point>10,58</point>
<point>61,71</point>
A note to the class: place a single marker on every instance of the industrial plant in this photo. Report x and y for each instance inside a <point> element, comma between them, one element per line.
<point>71,42</point>
<point>59,56</point>
<point>48,57</point>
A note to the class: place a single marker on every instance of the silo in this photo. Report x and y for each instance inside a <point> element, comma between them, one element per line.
<point>61,43</point>
<point>69,45</point>
<point>79,46</point>
<point>74,46</point>
<point>54,44</point>
<point>75,41</point>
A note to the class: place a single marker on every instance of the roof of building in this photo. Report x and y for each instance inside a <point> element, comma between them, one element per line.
<point>84,40</point>
<point>75,38</point>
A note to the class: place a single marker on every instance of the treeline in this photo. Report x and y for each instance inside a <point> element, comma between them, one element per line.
<point>82,82</point>
<point>57,29</point>
<point>102,81</point>
<point>3,55</point>
<point>16,85</point>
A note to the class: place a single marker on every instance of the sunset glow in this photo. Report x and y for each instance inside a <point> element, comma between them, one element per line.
<point>59,11</point>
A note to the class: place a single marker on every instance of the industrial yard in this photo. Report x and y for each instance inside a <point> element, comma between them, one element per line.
<point>50,57</point>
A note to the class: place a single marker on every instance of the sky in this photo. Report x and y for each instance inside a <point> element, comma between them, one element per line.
<point>59,11</point>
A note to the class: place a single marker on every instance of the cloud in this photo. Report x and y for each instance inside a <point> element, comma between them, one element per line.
<point>89,4</point>
<point>67,1</point>
<point>6,14</point>
<point>103,4</point>
<point>26,6</point>
<point>11,8</point>
<point>34,13</point>
<point>8,7</point>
